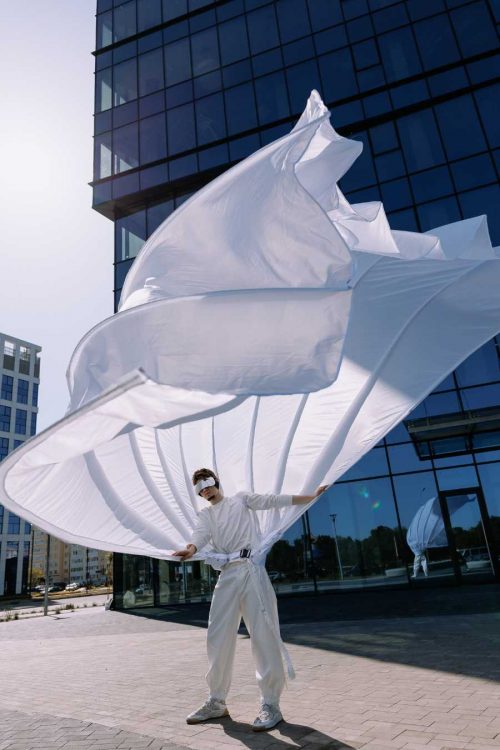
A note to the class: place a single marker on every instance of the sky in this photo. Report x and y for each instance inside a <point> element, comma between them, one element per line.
<point>56,253</point>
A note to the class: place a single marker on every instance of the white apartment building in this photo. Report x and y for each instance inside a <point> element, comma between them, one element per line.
<point>70,563</point>
<point>19,381</point>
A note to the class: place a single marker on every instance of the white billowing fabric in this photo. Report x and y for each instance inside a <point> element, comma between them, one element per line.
<point>268,330</point>
<point>426,529</point>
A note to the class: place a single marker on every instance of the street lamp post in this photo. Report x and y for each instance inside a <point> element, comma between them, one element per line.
<point>333,516</point>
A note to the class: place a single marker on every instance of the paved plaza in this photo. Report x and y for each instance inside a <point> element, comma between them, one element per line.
<point>95,679</point>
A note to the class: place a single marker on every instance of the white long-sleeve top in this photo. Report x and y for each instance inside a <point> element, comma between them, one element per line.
<point>231,524</point>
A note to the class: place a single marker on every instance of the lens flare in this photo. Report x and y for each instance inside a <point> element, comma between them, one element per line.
<point>376,505</point>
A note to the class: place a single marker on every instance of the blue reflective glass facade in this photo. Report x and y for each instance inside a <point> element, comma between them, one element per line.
<point>185,88</point>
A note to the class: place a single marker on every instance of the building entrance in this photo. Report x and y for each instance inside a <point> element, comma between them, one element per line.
<point>468,550</point>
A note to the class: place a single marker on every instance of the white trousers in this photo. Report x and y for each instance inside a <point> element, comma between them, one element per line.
<point>420,560</point>
<point>236,596</point>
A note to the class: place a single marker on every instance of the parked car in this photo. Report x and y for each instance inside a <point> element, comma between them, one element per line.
<point>57,587</point>
<point>73,586</point>
<point>276,575</point>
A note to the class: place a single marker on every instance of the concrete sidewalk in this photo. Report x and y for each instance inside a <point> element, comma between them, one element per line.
<point>92,679</point>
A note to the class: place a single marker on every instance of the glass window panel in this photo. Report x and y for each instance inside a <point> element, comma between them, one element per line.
<point>267,62</point>
<point>398,434</point>
<point>362,172</point>
<point>33,424</point>
<point>441,403</point>
<point>124,114</point>
<point>130,234</point>
<point>5,414</point>
<point>390,18</point>
<point>151,72</point>
<point>181,129</point>
<point>210,121</point>
<point>355,533</point>
<point>213,157</point>
<point>157,215</point>
<point>431,184</point>
<point>174,8</point>
<point>272,100</point>
<point>438,213</point>
<point>152,104</point>
<point>230,9</point>
<point>124,21</point>
<point>121,270</point>
<point>490,482</point>
<point>324,13</point>
<point>390,165</point>
<point>359,29</point>
<point>20,425</point>
<point>292,19</point>
<point>233,41</point>
<point>124,82</point>
<point>102,156</point>
<point>420,140</point>
<point>237,73</point>
<point>301,79</point>
<point>480,398</point>
<point>4,451</point>
<point>354,8</point>
<point>7,387</point>
<point>124,52</point>
<point>148,14</point>
<point>205,51</point>
<point>150,41</point>
<point>474,29</point>
<point>484,201</point>
<point>330,39</point>
<point>485,69</point>
<point>404,458</point>
<point>152,176</point>
<point>103,5</point>
<point>22,391</point>
<point>481,367</point>
<point>177,62</point>
<point>125,148</point>
<point>104,29</point>
<point>337,74</point>
<point>412,492</point>
<point>371,78</point>
<point>153,135</point>
<point>298,51</point>
<point>186,165</point>
<point>487,100</point>
<point>396,194</point>
<point>384,138</point>
<point>365,54</point>
<point>102,122</point>
<point>373,464</point>
<point>207,84</point>
<point>180,94</point>
<point>103,91</point>
<point>125,185</point>
<point>436,41</point>
<point>242,147</point>
<point>405,220</point>
<point>458,478</point>
<point>240,109</point>
<point>14,527</point>
<point>460,128</point>
<point>262,29</point>
<point>449,80</point>
<point>399,54</point>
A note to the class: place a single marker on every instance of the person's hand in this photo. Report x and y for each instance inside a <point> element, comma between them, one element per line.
<point>321,489</point>
<point>185,554</point>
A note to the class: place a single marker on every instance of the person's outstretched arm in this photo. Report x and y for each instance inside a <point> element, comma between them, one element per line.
<point>304,499</point>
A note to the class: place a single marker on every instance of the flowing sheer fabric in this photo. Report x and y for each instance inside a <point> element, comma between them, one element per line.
<point>268,329</point>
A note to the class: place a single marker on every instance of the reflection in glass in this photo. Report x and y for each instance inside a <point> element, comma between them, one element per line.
<point>130,234</point>
<point>124,82</point>
<point>103,98</point>
<point>125,148</point>
<point>102,156</point>
<point>205,51</point>
<point>124,21</point>
<point>151,72</point>
<point>177,62</point>
<point>104,29</point>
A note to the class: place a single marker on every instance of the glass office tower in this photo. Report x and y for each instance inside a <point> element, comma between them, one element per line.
<point>184,89</point>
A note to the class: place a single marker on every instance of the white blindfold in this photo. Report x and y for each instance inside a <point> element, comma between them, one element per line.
<point>203,483</point>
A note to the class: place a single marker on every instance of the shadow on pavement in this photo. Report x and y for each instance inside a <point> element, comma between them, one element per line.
<point>292,736</point>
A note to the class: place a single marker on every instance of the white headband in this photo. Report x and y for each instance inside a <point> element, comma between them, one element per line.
<point>203,483</point>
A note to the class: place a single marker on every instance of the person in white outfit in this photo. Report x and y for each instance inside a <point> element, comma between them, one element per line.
<point>420,560</point>
<point>230,526</point>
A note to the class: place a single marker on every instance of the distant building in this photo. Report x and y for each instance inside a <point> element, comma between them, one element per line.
<point>69,563</point>
<point>20,378</point>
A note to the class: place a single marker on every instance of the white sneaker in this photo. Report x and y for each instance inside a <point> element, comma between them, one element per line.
<point>211,709</point>
<point>269,716</point>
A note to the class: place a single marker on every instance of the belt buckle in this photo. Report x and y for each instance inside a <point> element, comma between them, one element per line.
<point>245,553</point>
